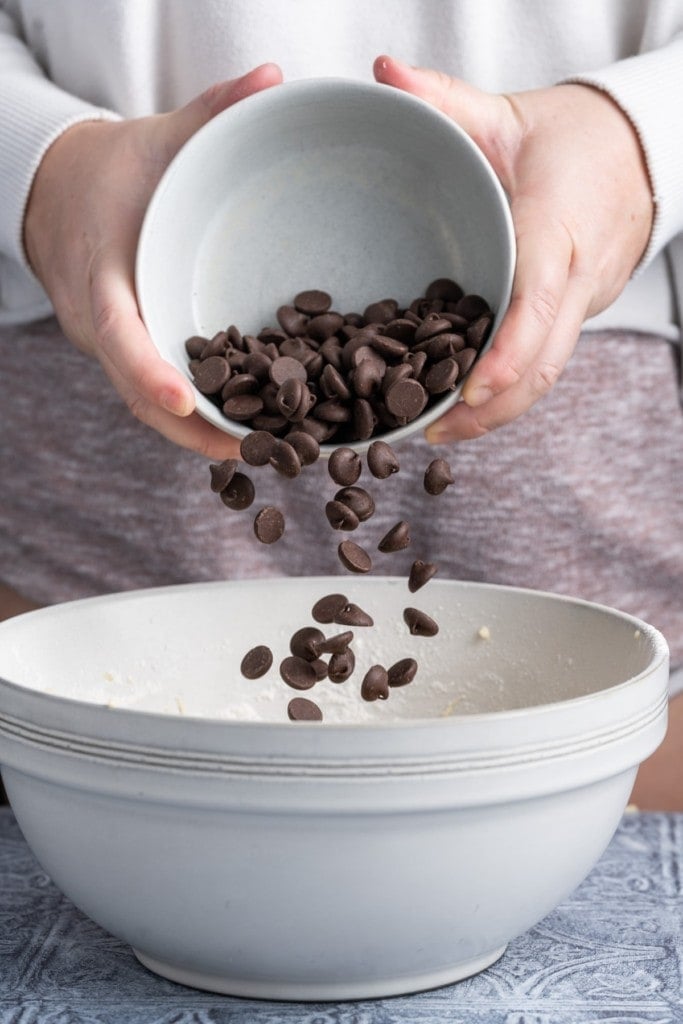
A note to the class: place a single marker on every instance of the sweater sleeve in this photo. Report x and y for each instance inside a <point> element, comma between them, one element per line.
<point>649,90</point>
<point>33,113</point>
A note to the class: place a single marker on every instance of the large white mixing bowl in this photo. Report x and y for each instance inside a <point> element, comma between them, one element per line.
<point>323,861</point>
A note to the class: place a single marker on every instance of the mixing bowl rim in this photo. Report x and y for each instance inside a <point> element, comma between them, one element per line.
<point>658,645</point>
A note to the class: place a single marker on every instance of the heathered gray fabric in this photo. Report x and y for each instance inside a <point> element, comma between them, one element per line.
<point>583,495</point>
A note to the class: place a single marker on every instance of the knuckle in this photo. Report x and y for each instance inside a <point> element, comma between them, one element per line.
<point>544,377</point>
<point>544,306</point>
<point>106,320</point>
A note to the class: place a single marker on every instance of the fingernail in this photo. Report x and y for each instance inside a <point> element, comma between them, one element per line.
<point>477,395</point>
<point>177,402</point>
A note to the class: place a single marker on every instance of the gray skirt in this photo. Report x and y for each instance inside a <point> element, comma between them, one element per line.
<point>583,495</point>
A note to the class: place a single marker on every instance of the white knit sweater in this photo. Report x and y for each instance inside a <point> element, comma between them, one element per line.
<point>62,61</point>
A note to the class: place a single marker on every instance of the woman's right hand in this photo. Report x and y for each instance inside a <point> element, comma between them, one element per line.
<point>82,223</point>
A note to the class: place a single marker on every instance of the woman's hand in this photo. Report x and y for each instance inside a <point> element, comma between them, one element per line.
<point>82,223</point>
<point>581,203</point>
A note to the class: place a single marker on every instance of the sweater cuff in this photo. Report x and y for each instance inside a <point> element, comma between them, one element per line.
<point>645,87</point>
<point>33,114</point>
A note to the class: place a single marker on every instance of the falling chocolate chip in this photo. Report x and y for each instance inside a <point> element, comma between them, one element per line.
<point>269,525</point>
<point>336,644</point>
<point>382,460</point>
<point>438,476</point>
<point>301,709</point>
<point>326,608</point>
<point>397,538</point>
<point>298,673</point>
<point>256,662</point>
<point>419,623</point>
<point>340,516</point>
<point>303,643</point>
<point>420,573</point>
<point>402,672</point>
<point>352,615</point>
<point>222,473</point>
<point>341,666</point>
<point>375,685</point>
<point>353,557</point>
<point>239,494</point>
<point>344,466</point>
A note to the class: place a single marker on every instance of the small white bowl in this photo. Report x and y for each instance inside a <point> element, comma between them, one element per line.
<point>355,188</point>
<point>397,849</point>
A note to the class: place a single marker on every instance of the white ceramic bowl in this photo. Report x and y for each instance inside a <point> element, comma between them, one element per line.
<point>355,188</point>
<point>323,861</point>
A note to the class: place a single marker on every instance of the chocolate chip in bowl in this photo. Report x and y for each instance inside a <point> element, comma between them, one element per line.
<point>320,188</point>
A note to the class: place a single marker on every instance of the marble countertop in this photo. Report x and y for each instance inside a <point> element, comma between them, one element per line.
<point>612,952</point>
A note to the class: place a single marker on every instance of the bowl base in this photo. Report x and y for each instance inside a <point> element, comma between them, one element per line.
<point>321,991</point>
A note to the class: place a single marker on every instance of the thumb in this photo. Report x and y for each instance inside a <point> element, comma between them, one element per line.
<point>488,118</point>
<point>185,121</point>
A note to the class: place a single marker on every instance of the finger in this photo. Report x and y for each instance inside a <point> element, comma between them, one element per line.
<point>544,256</point>
<point>126,351</point>
<point>188,119</point>
<point>486,117</point>
<point>464,422</point>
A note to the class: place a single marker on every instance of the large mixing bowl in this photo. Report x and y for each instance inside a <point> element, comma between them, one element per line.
<point>394,846</point>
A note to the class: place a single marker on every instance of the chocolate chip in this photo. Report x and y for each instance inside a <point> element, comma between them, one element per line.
<point>340,516</point>
<point>442,376</point>
<point>298,673</point>
<point>336,644</point>
<point>479,330</point>
<point>312,302</point>
<point>353,557</point>
<point>381,312</point>
<point>402,672</point>
<point>243,407</point>
<point>375,685</point>
<point>471,307</point>
<point>444,288</point>
<point>301,709</point>
<point>406,399</point>
<point>284,459</point>
<point>211,374</point>
<point>322,327</point>
<point>269,525</point>
<point>303,643</point>
<point>325,608</point>
<point>222,473</point>
<point>382,460</point>
<point>320,668</point>
<point>420,573</point>
<point>306,446</point>
<point>257,447</point>
<point>432,325</point>
<point>239,494</point>
<point>364,419</point>
<point>397,538</point>
<point>419,623</point>
<point>341,666</point>
<point>333,384</point>
<point>291,320</point>
<point>256,662</point>
<point>287,368</point>
<point>351,615</point>
<point>465,359</point>
<point>438,476</point>
<point>344,466</point>
<point>195,345</point>
<point>293,399</point>
<point>358,500</point>
<point>240,384</point>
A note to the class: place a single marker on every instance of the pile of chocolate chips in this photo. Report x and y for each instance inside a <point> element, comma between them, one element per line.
<point>343,377</point>
<point>286,398</point>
